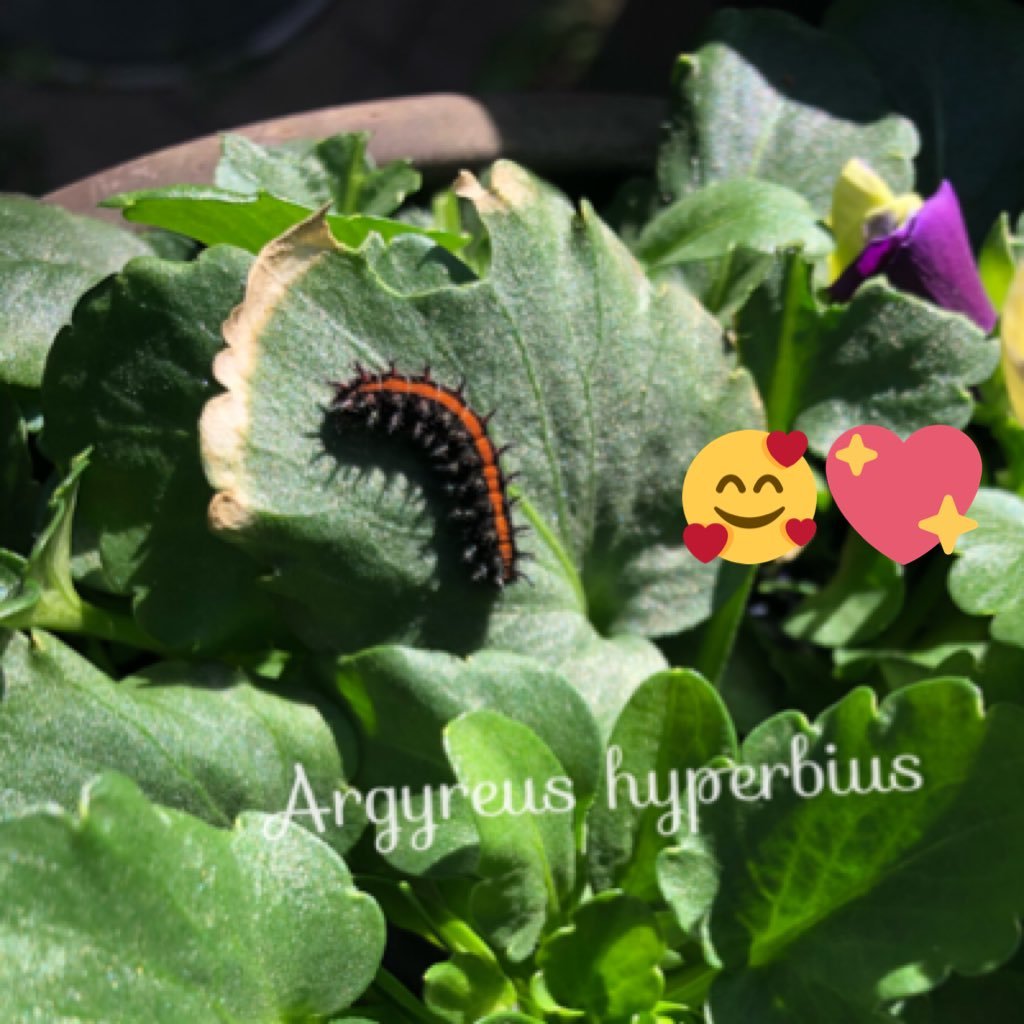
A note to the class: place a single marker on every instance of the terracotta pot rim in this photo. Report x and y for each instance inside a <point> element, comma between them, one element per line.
<point>553,133</point>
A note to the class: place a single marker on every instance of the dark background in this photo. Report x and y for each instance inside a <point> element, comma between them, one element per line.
<point>85,84</point>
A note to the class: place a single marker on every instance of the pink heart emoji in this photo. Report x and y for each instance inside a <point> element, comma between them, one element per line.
<point>705,542</point>
<point>787,449</point>
<point>801,531</point>
<point>885,486</point>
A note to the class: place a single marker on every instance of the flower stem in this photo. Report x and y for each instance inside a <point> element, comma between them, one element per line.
<point>398,995</point>
<point>787,378</point>
<point>453,932</point>
<point>720,631</point>
<point>85,619</point>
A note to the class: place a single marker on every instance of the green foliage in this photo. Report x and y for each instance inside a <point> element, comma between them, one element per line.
<point>48,259</point>
<point>137,406</point>
<point>583,797</point>
<point>768,97</point>
<point>673,722</point>
<point>885,358</point>
<point>337,170</point>
<point>744,213</point>
<point>865,595</point>
<point>216,216</point>
<point>200,738</point>
<point>606,962</point>
<point>985,581</point>
<point>800,876</point>
<point>153,915</point>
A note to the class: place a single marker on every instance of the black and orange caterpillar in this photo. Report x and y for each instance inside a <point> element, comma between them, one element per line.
<point>439,419</point>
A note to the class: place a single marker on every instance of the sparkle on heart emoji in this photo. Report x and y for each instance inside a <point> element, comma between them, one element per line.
<point>856,455</point>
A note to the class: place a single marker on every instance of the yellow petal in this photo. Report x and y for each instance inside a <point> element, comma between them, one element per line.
<point>859,197</point>
<point>1012,331</point>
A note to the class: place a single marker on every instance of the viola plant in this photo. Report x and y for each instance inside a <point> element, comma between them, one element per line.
<point>269,752</point>
<point>928,254</point>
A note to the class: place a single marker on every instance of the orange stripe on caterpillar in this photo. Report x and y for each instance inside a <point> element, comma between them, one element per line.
<point>456,436</point>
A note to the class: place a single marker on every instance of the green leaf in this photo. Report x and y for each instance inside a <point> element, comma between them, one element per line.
<point>355,181</point>
<point>17,488</point>
<point>337,170</point>
<point>466,988</point>
<point>42,592</point>
<point>959,80</point>
<point>856,604</point>
<point>607,385</point>
<point>673,722</point>
<point>770,97</point>
<point>920,879</point>
<point>45,590</point>
<point>723,285</point>
<point>885,358</point>
<point>741,213</point>
<point>517,790</point>
<point>129,378</point>
<point>985,580</point>
<point>402,699</point>
<point>18,596</point>
<point>721,239</point>
<point>606,962</point>
<point>991,999</point>
<point>199,738</point>
<point>48,259</point>
<point>215,216</point>
<point>127,911</point>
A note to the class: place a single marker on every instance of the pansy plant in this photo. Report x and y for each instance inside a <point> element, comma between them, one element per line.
<point>268,753</point>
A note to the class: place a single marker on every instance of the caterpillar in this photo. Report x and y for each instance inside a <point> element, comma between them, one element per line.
<point>440,420</point>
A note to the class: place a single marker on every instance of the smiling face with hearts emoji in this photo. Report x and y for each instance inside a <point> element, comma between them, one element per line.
<point>749,497</point>
<point>905,497</point>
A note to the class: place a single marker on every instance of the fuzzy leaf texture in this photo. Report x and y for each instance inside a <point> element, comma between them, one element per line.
<point>148,914</point>
<point>606,384</point>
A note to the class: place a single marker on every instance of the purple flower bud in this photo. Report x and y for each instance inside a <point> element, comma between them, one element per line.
<point>929,256</point>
